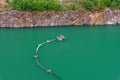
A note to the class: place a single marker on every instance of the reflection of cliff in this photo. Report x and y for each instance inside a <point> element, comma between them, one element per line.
<point>31,19</point>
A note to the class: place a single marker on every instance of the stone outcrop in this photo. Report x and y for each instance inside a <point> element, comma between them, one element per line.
<point>63,18</point>
<point>112,16</point>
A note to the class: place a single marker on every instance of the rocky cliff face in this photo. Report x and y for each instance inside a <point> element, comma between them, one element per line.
<point>32,19</point>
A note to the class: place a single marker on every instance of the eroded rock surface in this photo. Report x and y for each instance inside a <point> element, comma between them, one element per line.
<point>32,19</point>
<point>112,16</point>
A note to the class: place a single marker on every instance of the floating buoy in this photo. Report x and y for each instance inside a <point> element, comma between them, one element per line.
<point>60,38</point>
<point>49,71</point>
<point>36,56</point>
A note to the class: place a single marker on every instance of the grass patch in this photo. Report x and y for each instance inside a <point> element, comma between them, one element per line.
<point>72,6</point>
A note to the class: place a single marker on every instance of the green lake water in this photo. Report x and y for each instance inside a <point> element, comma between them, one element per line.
<point>88,53</point>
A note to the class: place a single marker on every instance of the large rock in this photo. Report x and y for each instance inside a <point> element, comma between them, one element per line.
<point>62,18</point>
<point>112,16</point>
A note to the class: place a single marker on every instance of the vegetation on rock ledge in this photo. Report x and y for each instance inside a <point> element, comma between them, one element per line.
<point>56,5</point>
<point>40,5</point>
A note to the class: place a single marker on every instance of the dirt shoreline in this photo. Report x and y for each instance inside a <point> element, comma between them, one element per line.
<point>19,19</point>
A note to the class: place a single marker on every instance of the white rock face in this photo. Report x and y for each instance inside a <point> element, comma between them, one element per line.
<point>112,16</point>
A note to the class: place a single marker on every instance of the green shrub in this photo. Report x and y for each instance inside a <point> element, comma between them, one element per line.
<point>89,5</point>
<point>96,4</point>
<point>43,5</point>
<point>73,6</point>
<point>31,5</point>
<point>115,4</point>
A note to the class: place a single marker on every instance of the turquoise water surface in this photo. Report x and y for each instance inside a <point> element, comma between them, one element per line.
<point>88,53</point>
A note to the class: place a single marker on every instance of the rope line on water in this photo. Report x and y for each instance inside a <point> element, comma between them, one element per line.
<point>36,56</point>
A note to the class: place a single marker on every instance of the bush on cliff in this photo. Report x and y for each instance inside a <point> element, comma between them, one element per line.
<point>115,4</point>
<point>96,4</point>
<point>40,5</point>
<point>101,4</point>
<point>47,5</point>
